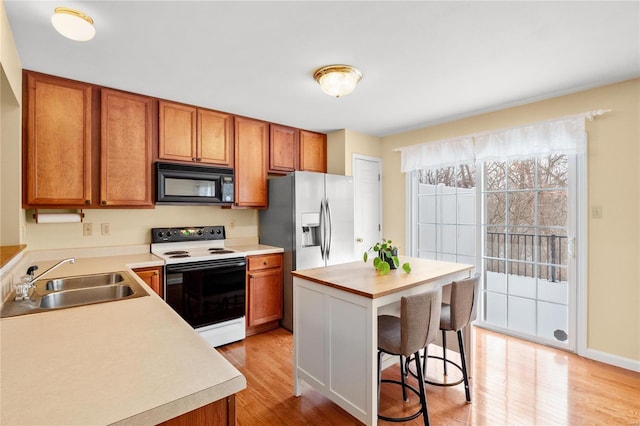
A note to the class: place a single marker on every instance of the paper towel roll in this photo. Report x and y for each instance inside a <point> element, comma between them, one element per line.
<point>58,217</point>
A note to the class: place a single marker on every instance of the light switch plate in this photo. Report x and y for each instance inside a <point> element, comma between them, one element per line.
<point>596,212</point>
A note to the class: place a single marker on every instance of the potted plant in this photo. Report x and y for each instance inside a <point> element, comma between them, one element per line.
<point>387,258</point>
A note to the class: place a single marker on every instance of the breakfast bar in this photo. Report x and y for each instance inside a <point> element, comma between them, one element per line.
<point>335,325</point>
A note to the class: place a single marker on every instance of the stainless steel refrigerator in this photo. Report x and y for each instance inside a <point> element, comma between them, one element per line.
<point>310,215</point>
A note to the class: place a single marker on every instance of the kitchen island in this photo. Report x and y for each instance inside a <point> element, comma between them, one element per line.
<point>124,362</point>
<point>335,325</point>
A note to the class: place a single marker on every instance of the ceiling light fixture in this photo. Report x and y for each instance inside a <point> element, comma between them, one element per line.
<point>73,24</point>
<point>337,80</point>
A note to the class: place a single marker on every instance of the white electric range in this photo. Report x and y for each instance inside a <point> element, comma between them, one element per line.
<point>204,280</point>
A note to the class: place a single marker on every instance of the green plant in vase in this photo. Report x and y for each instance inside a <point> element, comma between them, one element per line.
<point>387,258</point>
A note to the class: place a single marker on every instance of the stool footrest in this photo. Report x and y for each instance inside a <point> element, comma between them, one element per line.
<point>441,383</point>
<point>401,419</point>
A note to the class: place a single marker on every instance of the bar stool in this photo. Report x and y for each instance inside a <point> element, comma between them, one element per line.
<point>454,316</point>
<point>416,327</point>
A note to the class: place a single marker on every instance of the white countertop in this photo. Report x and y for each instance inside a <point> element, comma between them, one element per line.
<point>126,362</point>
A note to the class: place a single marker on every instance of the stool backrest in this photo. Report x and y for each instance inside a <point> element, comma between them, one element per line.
<point>464,298</point>
<point>419,320</point>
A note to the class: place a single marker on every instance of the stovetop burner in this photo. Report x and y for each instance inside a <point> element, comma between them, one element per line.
<point>192,244</point>
<point>219,250</point>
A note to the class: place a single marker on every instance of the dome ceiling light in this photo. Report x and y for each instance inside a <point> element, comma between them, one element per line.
<point>337,80</point>
<point>73,24</point>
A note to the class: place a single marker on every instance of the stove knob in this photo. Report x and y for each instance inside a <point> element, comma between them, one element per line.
<point>168,233</point>
<point>218,232</point>
<point>160,234</point>
<point>199,232</point>
<point>212,231</point>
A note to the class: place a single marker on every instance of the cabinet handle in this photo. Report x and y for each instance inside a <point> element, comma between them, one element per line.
<point>87,201</point>
<point>194,159</point>
<point>104,202</point>
<point>265,263</point>
<point>198,159</point>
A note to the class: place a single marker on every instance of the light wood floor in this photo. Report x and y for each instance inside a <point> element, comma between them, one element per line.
<point>514,383</point>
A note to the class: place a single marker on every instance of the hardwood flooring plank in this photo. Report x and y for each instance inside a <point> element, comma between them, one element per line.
<point>514,383</point>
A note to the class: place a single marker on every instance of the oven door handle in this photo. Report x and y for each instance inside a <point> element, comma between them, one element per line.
<point>189,267</point>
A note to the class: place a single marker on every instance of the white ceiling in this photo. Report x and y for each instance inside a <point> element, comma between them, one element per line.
<point>423,62</point>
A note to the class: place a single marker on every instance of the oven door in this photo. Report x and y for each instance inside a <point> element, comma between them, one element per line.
<point>207,292</point>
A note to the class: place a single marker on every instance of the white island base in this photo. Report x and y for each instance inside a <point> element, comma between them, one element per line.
<point>335,325</point>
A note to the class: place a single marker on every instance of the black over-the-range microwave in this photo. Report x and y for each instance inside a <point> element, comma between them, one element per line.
<point>187,184</point>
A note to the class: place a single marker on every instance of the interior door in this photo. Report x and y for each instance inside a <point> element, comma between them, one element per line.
<point>367,202</point>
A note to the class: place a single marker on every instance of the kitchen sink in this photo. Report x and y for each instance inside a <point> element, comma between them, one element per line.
<point>84,296</point>
<point>68,292</point>
<point>85,281</point>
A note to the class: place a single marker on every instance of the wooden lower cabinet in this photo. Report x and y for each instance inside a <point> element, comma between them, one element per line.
<point>264,292</point>
<point>221,412</point>
<point>152,277</point>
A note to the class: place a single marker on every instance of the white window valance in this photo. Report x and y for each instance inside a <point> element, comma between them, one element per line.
<point>438,154</point>
<point>561,136</point>
<point>552,137</point>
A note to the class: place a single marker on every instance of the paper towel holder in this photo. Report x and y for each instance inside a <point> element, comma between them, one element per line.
<point>78,212</point>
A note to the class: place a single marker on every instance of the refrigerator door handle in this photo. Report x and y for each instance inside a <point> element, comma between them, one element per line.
<point>322,230</point>
<point>328,242</point>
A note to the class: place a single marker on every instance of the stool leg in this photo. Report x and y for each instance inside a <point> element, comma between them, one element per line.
<point>423,395</point>
<point>465,376</point>
<point>404,385</point>
<point>424,362</point>
<point>379,376</point>
<point>444,351</point>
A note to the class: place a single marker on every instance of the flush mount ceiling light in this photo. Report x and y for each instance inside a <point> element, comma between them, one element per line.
<point>73,24</point>
<point>337,80</point>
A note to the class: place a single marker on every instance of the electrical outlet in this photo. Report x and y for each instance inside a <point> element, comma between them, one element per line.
<point>87,229</point>
<point>232,223</point>
<point>106,228</point>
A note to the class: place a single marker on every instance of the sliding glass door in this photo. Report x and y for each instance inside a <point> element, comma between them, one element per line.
<point>528,243</point>
<point>518,226</point>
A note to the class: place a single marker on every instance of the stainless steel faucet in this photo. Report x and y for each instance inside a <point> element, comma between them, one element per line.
<point>27,282</point>
<point>32,269</point>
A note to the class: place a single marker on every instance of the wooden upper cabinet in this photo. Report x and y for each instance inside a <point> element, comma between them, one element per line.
<point>283,149</point>
<point>126,145</point>
<point>177,132</point>
<point>215,138</point>
<point>251,147</point>
<point>313,151</point>
<point>57,142</point>
<point>192,134</point>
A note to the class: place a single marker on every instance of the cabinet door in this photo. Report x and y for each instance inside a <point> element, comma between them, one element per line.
<point>215,138</point>
<point>251,139</point>
<point>265,296</point>
<point>152,277</point>
<point>177,132</point>
<point>57,142</point>
<point>125,154</point>
<point>283,149</point>
<point>313,151</point>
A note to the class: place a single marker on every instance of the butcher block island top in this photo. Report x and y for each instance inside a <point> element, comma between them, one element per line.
<point>362,278</point>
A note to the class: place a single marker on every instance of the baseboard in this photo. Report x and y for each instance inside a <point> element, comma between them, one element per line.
<point>618,361</point>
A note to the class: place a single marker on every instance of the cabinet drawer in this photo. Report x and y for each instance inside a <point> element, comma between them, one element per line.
<point>257,263</point>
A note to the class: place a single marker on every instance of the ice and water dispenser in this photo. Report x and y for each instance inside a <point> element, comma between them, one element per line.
<point>310,229</point>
